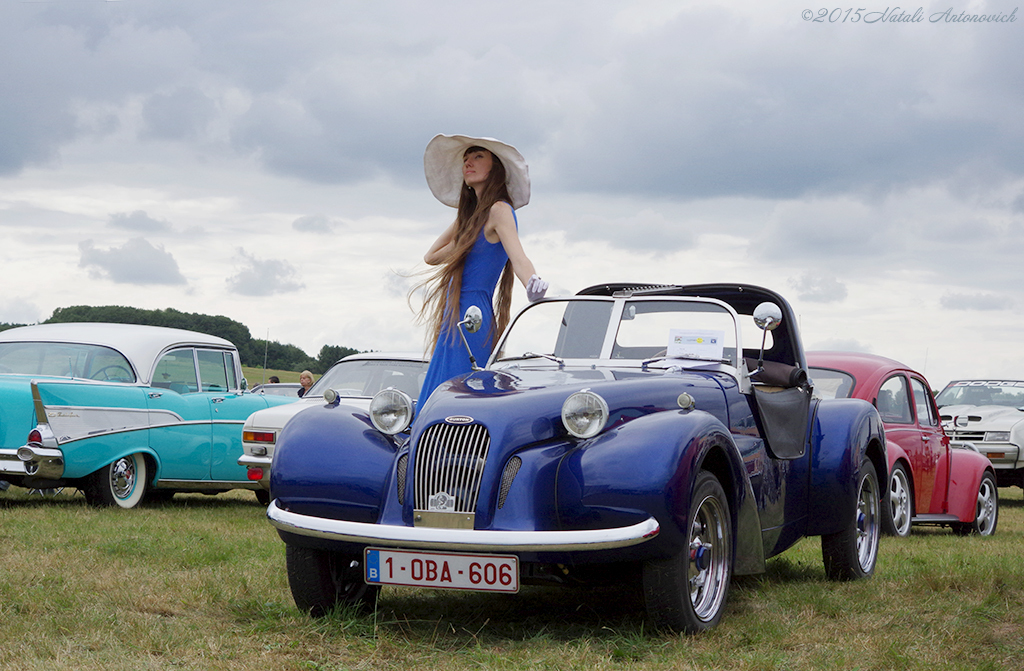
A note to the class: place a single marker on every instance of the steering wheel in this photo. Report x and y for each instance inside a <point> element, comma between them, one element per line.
<point>106,376</point>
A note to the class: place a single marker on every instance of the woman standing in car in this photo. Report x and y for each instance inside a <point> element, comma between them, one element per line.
<point>486,180</point>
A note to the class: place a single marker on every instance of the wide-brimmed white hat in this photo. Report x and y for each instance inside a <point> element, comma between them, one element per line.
<point>442,163</point>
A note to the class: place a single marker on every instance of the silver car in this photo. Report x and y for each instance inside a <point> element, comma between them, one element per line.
<point>989,414</point>
<point>355,379</point>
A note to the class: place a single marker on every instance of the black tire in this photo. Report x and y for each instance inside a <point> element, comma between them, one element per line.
<point>687,593</point>
<point>851,553</point>
<point>121,483</point>
<point>263,496</point>
<point>986,512</point>
<point>898,504</point>
<point>321,580</point>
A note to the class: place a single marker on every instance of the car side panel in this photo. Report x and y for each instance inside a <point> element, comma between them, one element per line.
<point>845,432</point>
<point>332,464</point>
<point>94,424</point>
<point>968,467</point>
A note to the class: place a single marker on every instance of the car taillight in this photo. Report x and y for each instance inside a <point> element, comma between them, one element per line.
<point>35,437</point>
<point>258,436</point>
<point>255,473</point>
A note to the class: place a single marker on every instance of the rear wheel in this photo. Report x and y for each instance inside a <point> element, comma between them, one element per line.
<point>687,592</point>
<point>851,553</point>
<point>986,513</point>
<point>121,484</point>
<point>321,580</point>
<point>263,496</point>
<point>897,510</point>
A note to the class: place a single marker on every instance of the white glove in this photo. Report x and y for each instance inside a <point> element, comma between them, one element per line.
<point>536,288</point>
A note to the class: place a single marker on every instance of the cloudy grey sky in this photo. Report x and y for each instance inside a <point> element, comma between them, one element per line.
<point>263,160</point>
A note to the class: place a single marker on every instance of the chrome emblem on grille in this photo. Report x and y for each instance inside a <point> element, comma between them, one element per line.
<point>441,501</point>
<point>458,419</point>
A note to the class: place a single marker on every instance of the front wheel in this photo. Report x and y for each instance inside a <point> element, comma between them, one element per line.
<point>898,509</point>
<point>321,580</point>
<point>121,484</point>
<point>986,513</point>
<point>850,554</point>
<point>687,592</point>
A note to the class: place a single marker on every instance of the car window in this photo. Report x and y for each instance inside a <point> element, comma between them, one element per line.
<point>922,401</point>
<point>983,392</point>
<point>368,376</point>
<point>176,371</point>
<point>93,362</point>
<point>213,370</point>
<point>893,401</point>
<point>831,383</point>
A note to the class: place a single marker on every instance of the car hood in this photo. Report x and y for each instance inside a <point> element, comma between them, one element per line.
<point>277,416</point>
<point>527,403</point>
<point>989,417</point>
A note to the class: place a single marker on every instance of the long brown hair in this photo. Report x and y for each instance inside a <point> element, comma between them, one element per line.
<point>442,288</point>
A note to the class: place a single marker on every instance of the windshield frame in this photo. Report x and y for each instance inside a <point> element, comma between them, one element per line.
<point>618,305</point>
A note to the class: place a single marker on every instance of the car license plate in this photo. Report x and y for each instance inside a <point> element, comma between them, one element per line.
<point>478,572</point>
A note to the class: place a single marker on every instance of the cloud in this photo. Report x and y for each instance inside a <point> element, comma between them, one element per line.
<point>19,311</point>
<point>138,221</point>
<point>839,345</point>
<point>316,223</point>
<point>818,288</point>
<point>136,262</point>
<point>981,302</point>
<point>264,277</point>
<point>181,115</point>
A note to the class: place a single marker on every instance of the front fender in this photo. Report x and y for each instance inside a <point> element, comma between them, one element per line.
<point>648,467</point>
<point>331,462</point>
<point>845,432</point>
<point>966,470</point>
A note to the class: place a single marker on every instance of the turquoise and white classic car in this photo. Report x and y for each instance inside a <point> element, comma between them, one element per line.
<point>122,412</point>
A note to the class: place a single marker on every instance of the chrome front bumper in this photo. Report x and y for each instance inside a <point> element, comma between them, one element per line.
<point>432,538</point>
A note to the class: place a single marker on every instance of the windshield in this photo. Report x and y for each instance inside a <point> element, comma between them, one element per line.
<point>983,392</point>
<point>645,329</point>
<point>368,376</point>
<point>65,360</point>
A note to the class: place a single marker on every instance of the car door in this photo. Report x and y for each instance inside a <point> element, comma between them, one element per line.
<point>896,407</point>
<point>180,418</point>
<point>229,409</point>
<point>935,445</point>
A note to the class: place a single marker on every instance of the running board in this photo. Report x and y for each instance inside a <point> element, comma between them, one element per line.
<point>935,519</point>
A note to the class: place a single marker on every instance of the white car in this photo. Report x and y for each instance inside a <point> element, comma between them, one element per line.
<point>989,414</point>
<point>355,378</point>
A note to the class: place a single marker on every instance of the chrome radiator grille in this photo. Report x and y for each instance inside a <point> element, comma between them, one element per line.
<point>449,465</point>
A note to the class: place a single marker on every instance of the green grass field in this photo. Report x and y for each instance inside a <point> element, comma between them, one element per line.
<point>199,583</point>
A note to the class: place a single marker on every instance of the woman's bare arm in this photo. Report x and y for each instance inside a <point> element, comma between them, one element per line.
<point>439,251</point>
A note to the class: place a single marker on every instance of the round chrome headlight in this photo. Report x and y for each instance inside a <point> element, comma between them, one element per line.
<point>584,414</point>
<point>391,411</point>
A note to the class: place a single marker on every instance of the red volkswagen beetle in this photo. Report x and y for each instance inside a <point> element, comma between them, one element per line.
<point>931,480</point>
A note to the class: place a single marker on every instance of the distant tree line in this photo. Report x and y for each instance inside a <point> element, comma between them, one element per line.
<point>253,351</point>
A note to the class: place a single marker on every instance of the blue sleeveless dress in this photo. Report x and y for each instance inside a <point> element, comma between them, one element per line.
<point>480,277</point>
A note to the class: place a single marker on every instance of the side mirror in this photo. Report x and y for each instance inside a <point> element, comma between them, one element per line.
<point>473,319</point>
<point>767,316</point>
<point>471,322</point>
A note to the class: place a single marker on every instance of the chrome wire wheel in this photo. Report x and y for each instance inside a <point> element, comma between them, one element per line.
<point>708,566</point>
<point>900,504</point>
<point>867,523</point>
<point>122,477</point>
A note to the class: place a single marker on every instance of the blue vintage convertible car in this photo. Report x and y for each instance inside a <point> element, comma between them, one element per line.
<point>122,412</point>
<point>627,433</point>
